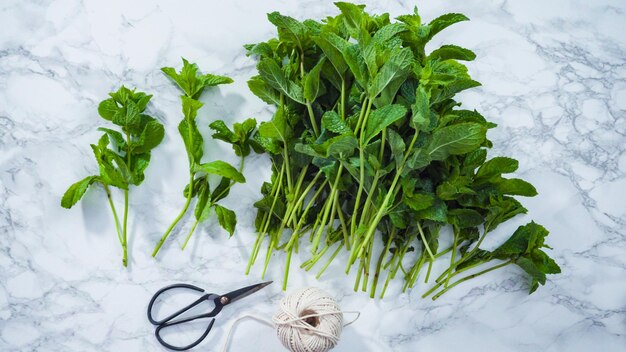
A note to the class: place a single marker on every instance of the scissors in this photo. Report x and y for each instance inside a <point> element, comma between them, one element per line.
<point>219,300</point>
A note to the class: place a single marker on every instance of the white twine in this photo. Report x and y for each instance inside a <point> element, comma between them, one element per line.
<point>309,320</point>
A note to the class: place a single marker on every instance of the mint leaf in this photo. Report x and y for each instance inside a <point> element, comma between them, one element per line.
<point>226,218</point>
<point>221,168</point>
<point>76,191</point>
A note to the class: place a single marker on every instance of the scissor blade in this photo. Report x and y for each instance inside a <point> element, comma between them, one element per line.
<point>245,292</point>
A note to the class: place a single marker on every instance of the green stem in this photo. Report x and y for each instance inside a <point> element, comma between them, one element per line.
<point>398,256</point>
<point>193,228</point>
<point>358,275</point>
<point>312,118</point>
<point>279,182</point>
<point>303,196</point>
<point>287,264</point>
<point>178,217</point>
<point>310,263</point>
<point>357,250</point>
<point>327,208</point>
<point>426,246</point>
<point>212,203</point>
<point>117,221</point>
<point>368,200</point>
<point>342,220</point>
<point>467,255</point>
<point>469,277</point>
<point>288,168</point>
<point>124,231</point>
<point>332,257</point>
<point>452,257</point>
<point>125,226</point>
<point>357,200</point>
<point>430,267</point>
<point>440,281</point>
<point>381,259</point>
<point>414,273</point>
<point>293,206</point>
<point>343,99</point>
<point>368,263</point>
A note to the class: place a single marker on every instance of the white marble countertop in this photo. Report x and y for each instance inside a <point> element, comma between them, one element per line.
<point>554,79</point>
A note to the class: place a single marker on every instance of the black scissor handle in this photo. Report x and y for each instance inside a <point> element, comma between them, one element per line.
<point>170,317</point>
<point>171,321</point>
<point>157,333</point>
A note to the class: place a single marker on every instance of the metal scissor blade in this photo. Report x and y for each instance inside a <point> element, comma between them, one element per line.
<point>245,292</point>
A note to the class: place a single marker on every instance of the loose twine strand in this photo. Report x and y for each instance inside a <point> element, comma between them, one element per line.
<point>309,320</point>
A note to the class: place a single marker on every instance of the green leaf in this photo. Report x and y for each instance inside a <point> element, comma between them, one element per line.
<point>355,61</point>
<point>187,79</point>
<point>123,95</point>
<point>107,108</point>
<point>209,80</point>
<point>388,32</point>
<point>493,168</point>
<point>221,191</point>
<point>190,107</point>
<point>312,85</point>
<point>341,147</point>
<point>277,128</point>
<point>192,139</point>
<point>456,139</point>
<point>226,218</point>
<point>264,91</point>
<point>444,21</point>
<point>76,191</point>
<point>453,188</point>
<point>353,16</point>
<point>150,137</point>
<point>452,52</point>
<point>518,187</point>
<point>192,83</point>
<point>289,29</point>
<point>332,122</point>
<point>393,73</point>
<point>397,145</point>
<point>222,132</point>
<point>139,164</point>
<point>380,118</point>
<point>437,212</point>
<point>473,160</point>
<point>203,209</point>
<point>189,130</point>
<point>418,201</point>
<point>536,275</point>
<point>116,137</point>
<point>501,210</point>
<point>523,241</point>
<point>420,118</point>
<point>464,218</point>
<point>418,159</point>
<point>221,168</point>
<point>333,47</point>
<point>109,173</point>
<point>128,117</point>
<point>273,75</point>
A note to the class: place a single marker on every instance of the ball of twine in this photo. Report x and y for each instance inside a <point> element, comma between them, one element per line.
<point>309,320</point>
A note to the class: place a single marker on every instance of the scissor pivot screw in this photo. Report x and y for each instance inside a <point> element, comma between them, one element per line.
<point>224,300</point>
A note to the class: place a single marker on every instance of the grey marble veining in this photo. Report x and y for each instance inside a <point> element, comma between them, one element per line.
<point>554,79</point>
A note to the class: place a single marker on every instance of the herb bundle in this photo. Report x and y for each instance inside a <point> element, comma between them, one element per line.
<point>122,156</point>
<point>368,144</point>
<point>193,84</point>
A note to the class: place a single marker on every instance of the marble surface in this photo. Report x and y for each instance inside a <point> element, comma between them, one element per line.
<point>554,79</point>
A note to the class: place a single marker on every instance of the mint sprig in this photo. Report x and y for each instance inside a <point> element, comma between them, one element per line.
<point>122,155</point>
